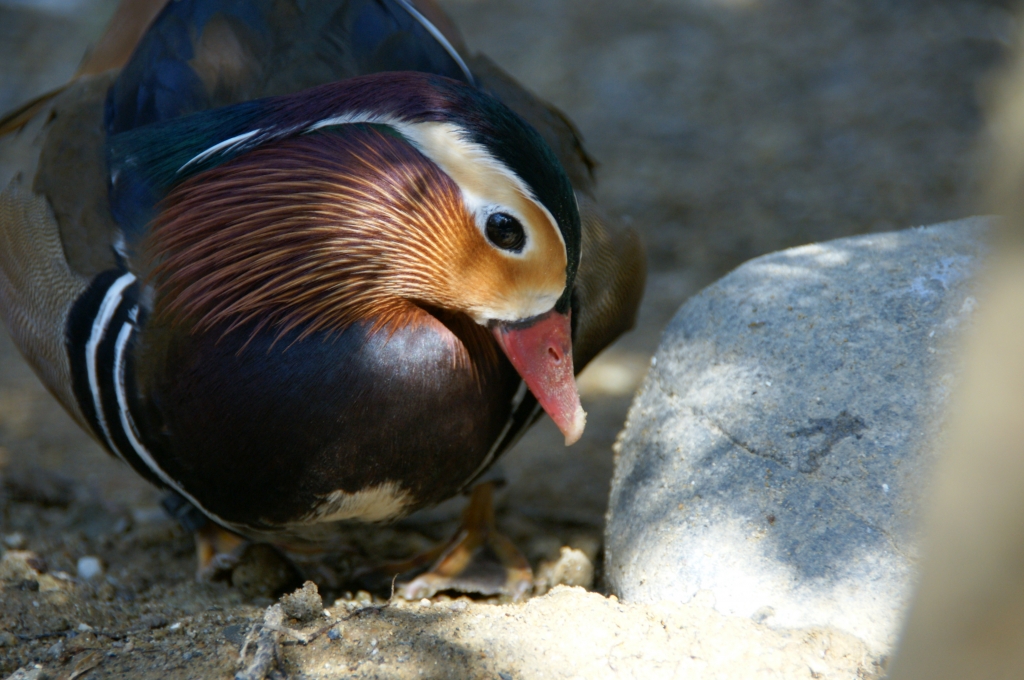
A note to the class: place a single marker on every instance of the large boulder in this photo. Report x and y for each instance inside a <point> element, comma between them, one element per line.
<point>778,449</point>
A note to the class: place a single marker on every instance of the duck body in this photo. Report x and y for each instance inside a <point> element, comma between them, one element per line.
<point>340,426</point>
<point>294,306</point>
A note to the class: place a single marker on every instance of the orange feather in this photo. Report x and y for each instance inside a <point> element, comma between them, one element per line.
<point>314,233</point>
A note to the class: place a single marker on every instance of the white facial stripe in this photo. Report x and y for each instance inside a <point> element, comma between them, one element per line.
<point>484,180</point>
<point>487,185</point>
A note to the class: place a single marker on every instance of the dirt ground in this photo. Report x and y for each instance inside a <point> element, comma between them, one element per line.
<point>725,129</point>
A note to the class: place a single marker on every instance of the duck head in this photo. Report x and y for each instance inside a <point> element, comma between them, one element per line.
<point>366,200</point>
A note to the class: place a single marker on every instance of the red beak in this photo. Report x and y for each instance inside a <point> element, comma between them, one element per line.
<point>541,351</point>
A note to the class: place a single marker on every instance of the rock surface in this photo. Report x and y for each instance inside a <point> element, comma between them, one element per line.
<point>776,453</point>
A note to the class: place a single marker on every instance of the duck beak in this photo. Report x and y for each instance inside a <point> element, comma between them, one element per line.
<point>541,351</point>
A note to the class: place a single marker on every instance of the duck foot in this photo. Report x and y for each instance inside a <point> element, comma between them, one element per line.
<point>255,569</point>
<point>478,559</point>
<point>218,552</point>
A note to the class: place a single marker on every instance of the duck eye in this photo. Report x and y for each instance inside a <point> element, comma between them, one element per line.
<point>505,232</point>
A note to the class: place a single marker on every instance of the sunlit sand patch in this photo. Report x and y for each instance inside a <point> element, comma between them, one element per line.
<point>613,374</point>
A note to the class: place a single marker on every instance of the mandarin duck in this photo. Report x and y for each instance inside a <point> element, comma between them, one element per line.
<point>300,263</point>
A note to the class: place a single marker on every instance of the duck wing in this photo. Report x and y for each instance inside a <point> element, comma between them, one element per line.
<point>203,54</point>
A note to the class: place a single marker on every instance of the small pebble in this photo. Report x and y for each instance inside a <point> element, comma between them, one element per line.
<point>334,634</point>
<point>56,649</point>
<point>89,567</point>
<point>20,565</point>
<point>106,592</point>
<point>236,634</point>
<point>176,626</point>
<point>572,568</point>
<point>152,621</point>
<point>26,673</point>
<point>305,604</point>
<point>149,515</point>
<point>425,602</point>
<point>817,669</point>
<point>84,627</point>
<point>15,541</point>
<point>264,572</point>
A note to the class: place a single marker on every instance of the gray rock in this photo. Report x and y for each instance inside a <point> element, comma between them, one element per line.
<point>263,571</point>
<point>776,452</point>
<point>56,650</point>
<point>89,567</point>
<point>35,673</point>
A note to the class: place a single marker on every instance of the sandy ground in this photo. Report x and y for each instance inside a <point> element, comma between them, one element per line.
<point>725,129</point>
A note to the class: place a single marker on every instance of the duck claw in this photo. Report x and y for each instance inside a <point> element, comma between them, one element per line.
<point>218,552</point>
<point>478,559</point>
<point>256,569</point>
